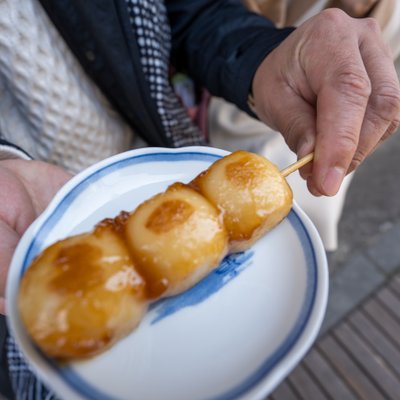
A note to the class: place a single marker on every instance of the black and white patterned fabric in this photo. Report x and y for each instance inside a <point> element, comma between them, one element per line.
<point>23,381</point>
<point>149,21</point>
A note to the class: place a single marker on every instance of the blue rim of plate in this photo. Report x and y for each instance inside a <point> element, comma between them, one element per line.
<point>85,389</point>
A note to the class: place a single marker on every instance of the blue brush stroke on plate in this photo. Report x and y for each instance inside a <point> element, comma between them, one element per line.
<point>230,267</point>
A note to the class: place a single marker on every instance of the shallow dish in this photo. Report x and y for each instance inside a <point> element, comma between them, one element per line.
<point>236,334</point>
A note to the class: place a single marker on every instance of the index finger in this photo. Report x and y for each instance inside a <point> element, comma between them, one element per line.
<point>341,104</point>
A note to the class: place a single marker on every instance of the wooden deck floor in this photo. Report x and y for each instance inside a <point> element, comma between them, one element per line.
<point>358,359</point>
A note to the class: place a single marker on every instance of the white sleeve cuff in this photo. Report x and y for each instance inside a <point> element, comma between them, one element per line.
<point>8,152</point>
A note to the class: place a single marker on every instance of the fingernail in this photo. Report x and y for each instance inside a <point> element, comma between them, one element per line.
<point>333,180</point>
<point>314,192</point>
<point>305,175</point>
<point>312,189</point>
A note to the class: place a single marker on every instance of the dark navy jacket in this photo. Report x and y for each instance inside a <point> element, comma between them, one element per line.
<point>218,42</point>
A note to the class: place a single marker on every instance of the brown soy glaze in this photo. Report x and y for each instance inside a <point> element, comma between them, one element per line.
<point>77,260</point>
<point>117,224</point>
<point>154,286</point>
<point>168,215</point>
<point>244,173</point>
<point>84,260</point>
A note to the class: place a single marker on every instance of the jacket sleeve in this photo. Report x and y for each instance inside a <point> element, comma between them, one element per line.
<point>220,44</point>
<point>9,150</point>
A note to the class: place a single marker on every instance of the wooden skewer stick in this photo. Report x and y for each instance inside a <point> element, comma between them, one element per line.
<point>298,164</point>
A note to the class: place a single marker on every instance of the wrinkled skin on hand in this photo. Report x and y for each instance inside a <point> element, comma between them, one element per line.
<point>26,189</point>
<point>331,87</point>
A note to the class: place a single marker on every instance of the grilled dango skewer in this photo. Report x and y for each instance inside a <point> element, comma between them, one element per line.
<point>84,293</point>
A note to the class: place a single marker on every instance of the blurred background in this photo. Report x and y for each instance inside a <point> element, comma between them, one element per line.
<point>372,206</point>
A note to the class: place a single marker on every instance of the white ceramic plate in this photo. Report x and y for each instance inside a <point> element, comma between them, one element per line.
<point>236,334</point>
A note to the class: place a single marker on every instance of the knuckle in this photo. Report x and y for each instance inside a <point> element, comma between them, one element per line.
<point>330,21</point>
<point>386,102</point>
<point>393,127</point>
<point>358,158</point>
<point>354,83</point>
<point>353,166</point>
<point>334,16</point>
<point>372,25</point>
<point>347,142</point>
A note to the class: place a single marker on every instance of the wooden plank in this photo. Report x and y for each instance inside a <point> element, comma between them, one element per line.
<point>348,369</point>
<point>333,385</point>
<point>380,316</point>
<point>395,284</point>
<point>390,301</point>
<point>283,392</point>
<point>376,339</point>
<point>369,360</point>
<point>304,384</point>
